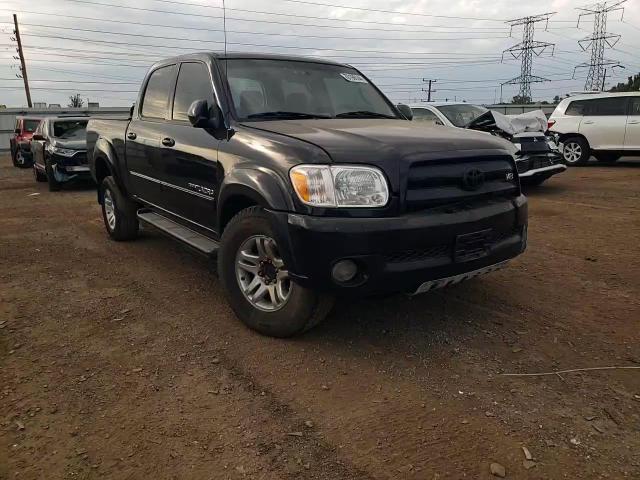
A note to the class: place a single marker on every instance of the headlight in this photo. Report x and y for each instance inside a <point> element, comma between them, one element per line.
<point>518,146</point>
<point>339,186</point>
<point>552,145</point>
<point>65,152</point>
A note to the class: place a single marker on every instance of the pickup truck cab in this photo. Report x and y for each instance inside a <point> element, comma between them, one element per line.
<point>305,182</point>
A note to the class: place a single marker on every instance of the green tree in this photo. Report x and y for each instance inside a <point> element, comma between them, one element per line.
<point>632,85</point>
<point>521,99</point>
<point>75,101</point>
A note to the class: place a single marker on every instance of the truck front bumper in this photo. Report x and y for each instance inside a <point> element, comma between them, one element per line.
<point>411,253</point>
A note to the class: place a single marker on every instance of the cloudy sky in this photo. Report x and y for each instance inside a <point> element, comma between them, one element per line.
<point>101,48</point>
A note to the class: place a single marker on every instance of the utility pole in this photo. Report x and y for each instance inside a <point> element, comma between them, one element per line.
<point>597,41</point>
<point>430,90</point>
<point>23,66</point>
<point>525,50</point>
<point>604,80</point>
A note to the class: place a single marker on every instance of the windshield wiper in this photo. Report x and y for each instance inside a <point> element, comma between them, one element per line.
<point>285,115</point>
<point>363,114</point>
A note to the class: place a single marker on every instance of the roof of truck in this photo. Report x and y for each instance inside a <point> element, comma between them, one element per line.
<point>249,55</point>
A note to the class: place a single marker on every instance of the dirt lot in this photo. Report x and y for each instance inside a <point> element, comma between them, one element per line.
<point>122,360</point>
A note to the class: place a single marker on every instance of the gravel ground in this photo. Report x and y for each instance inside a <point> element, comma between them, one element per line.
<point>123,360</point>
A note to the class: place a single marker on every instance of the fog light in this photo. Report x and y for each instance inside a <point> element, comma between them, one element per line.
<point>344,271</point>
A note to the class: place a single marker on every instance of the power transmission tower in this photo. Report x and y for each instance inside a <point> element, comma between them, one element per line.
<point>525,50</point>
<point>23,66</point>
<point>430,89</point>
<point>597,41</point>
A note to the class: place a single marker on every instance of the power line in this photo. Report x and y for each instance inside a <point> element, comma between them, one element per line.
<point>252,33</point>
<point>183,48</point>
<point>315,25</point>
<point>452,17</point>
<point>260,12</point>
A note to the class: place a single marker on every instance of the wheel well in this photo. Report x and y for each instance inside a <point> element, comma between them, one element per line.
<point>232,206</point>
<point>566,136</point>
<point>102,170</point>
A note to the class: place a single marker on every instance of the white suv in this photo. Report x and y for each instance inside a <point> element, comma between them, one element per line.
<point>605,125</point>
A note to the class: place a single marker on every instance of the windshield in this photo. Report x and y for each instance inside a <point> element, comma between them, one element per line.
<point>70,129</point>
<point>280,89</point>
<point>31,125</point>
<point>462,115</point>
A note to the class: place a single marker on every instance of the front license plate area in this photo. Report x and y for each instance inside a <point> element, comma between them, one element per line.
<point>472,246</point>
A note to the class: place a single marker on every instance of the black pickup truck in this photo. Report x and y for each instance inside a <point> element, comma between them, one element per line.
<point>305,182</point>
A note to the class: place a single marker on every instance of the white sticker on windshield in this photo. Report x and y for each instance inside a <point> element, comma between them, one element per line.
<point>353,77</point>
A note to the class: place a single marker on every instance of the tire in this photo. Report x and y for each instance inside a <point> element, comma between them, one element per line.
<point>54,185</point>
<point>607,157</point>
<point>14,157</point>
<point>576,151</point>
<point>123,225</point>
<point>38,175</point>
<point>301,310</point>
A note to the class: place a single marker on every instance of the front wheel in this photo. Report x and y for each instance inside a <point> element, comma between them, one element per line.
<point>576,151</point>
<point>38,175</point>
<point>54,185</point>
<point>256,280</point>
<point>118,212</point>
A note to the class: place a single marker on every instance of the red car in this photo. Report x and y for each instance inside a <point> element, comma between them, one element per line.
<point>20,142</point>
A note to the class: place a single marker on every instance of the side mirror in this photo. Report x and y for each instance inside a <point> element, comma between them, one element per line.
<point>37,136</point>
<point>406,111</point>
<point>202,116</point>
<point>17,131</point>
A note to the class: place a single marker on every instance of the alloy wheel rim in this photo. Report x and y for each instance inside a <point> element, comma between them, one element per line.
<point>262,276</point>
<point>109,210</point>
<point>572,152</point>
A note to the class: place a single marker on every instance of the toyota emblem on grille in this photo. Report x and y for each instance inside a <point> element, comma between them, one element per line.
<point>473,179</point>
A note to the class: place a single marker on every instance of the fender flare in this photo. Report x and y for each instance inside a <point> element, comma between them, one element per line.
<point>103,149</point>
<point>261,185</point>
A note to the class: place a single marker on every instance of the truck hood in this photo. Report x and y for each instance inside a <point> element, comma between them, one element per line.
<point>365,140</point>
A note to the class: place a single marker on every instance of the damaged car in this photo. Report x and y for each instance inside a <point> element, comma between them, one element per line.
<point>59,148</point>
<point>537,155</point>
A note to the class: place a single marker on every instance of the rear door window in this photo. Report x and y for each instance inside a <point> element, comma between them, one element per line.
<point>577,108</point>
<point>635,106</point>
<point>156,95</point>
<point>607,107</point>
<point>193,84</point>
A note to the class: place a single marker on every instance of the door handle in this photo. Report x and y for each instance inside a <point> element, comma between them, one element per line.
<point>588,122</point>
<point>634,122</point>
<point>168,142</point>
<point>131,136</point>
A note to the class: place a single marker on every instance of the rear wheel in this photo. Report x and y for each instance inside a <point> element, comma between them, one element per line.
<point>256,280</point>
<point>118,212</point>
<point>576,151</point>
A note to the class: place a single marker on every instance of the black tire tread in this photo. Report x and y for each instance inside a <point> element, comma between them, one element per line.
<point>323,302</point>
<point>127,226</point>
